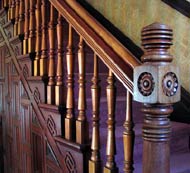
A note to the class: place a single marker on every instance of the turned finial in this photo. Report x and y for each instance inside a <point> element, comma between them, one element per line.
<point>156,40</point>
<point>156,80</point>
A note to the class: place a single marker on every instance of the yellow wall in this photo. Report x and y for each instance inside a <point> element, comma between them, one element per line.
<point>131,15</point>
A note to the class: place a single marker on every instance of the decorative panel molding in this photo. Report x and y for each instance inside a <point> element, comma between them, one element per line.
<point>26,128</point>
<point>1,38</point>
<point>27,165</point>
<point>1,97</point>
<point>3,17</point>
<point>37,146</point>
<point>2,63</point>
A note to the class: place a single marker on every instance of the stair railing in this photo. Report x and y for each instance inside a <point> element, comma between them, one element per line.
<point>32,20</point>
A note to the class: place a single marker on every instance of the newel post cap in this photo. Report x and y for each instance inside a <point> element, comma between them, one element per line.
<point>156,80</point>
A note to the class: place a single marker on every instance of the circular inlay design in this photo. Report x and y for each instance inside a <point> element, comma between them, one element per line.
<point>170,84</point>
<point>146,83</point>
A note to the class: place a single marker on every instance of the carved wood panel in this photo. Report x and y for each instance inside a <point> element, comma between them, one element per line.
<point>24,141</point>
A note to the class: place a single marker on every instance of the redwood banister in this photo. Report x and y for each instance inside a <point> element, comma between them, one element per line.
<point>12,13</point>
<point>111,166</point>
<point>17,3</point>
<point>26,27</point>
<point>9,10</point>
<point>44,46</point>
<point>59,88</point>
<point>115,56</point>
<point>128,136</point>
<point>81,123</point>
<point>95,162</point>
<point>51,67</point>
<point>38,38</point>
<point>156,82</point>
<point>21,18</point>
<point>32,38</point>
<point>69,120</point>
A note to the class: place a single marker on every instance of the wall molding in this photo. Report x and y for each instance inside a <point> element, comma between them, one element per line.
<point>182,6</point>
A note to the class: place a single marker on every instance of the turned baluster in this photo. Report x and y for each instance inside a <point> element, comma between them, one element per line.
<point>26,27</point>
<point>69,120</point>
<point>59,89</point>
<point>38,39</point>
<point>110,166</point>
<point>95,162</point>
<point>51,68</point>
<point>12,13</point>
<point>156,84</point>
<point>31,39</point>
<point>44,49</point>
<point>21,18</point>
<point>5,4</point>
<point>128,136</point>
<point>81,123</point>
<point>9,10</point>
<point>16,17</point>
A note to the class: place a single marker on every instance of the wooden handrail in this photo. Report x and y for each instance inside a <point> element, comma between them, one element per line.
<point>107,47</point>
<point>105,34</point>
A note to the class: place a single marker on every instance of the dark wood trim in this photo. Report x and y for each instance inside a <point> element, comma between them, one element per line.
<point>182,6</point>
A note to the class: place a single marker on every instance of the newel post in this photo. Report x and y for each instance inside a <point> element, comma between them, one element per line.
<point>156,84</point>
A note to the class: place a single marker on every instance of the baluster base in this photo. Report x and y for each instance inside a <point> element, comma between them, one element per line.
<point>15,33</point>
<point>36,67</point>
<point>69,125</point>
<point>59,95</point>
<point>43,67</point>
<point>31,45</point>
<point>111,170</point>
<point>82,132</point>
<point>25,46</point>
<point>94,167</point>
<point>50,94</point>
<point>21,27</point>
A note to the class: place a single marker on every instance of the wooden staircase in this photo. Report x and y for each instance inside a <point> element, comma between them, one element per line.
<point>56,114</point>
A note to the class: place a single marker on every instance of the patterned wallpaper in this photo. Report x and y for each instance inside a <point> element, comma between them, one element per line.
<point>131,15</point>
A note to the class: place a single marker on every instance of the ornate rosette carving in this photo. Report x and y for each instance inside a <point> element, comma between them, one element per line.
<point>146,84</point>
<point>170,84</point>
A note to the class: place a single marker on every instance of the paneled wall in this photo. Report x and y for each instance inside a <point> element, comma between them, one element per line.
<point>130,16</point>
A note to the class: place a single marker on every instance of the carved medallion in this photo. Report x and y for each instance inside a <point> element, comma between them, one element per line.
<point>146,84</point>
<point>70,163</point>
<point>170,84</point>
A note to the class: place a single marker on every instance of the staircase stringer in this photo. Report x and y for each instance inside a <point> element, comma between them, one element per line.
<point>35,106</point>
